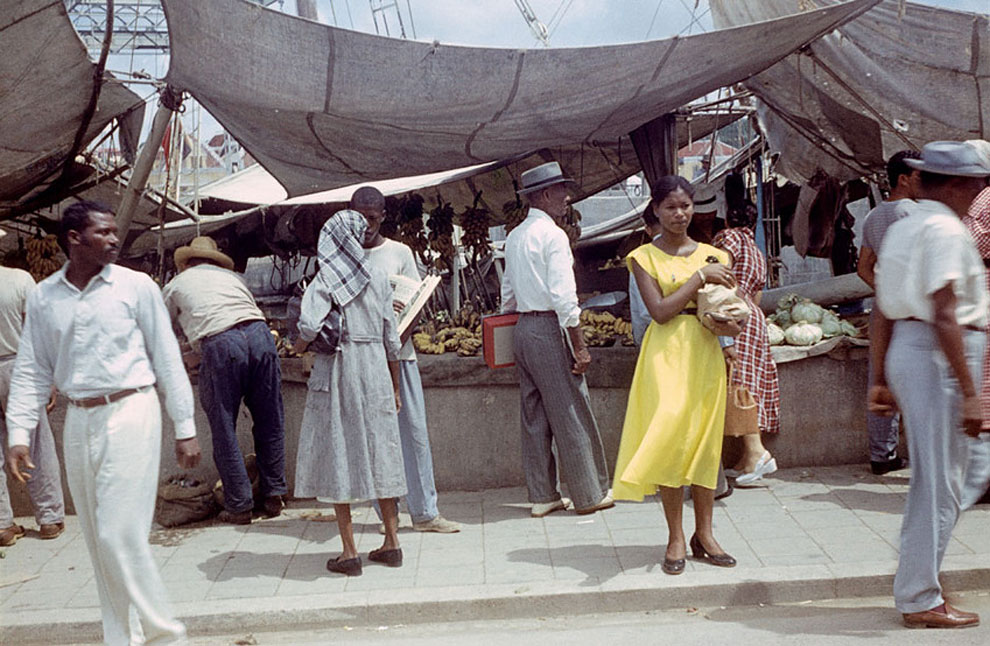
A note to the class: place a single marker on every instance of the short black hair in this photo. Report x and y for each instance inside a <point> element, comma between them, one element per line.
<point>76,218</point>
<point>896,166</point>
<point>367,196</point>
<point>667,185</point>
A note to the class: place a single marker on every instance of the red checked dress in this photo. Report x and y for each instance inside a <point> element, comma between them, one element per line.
<point>978,223</point>
<point>754,367</point>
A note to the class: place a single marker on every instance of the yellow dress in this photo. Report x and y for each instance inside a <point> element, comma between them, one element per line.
<point>672,435</point>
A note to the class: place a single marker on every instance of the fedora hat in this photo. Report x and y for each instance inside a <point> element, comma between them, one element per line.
<point>202,247</point>
<point>706,199</point>
<point>541,177</point>
<point>957,158</point>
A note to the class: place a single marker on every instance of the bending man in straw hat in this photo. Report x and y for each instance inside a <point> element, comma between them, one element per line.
<point>551,356</point>
<point>239,361</point>
<point>927,349</point>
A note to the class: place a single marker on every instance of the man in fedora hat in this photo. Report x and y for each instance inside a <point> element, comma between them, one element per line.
<point>100,333</point>
<point>927,350</point>
<point>551,356</point>
<point>239,361</point>
<point>45,485</point>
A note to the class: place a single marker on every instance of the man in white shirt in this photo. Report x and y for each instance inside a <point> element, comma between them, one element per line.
<point>396,259</point>
<point>551,356</point>
<point>883,431</point>
<point>100,333</point>
<point>927,351</point>
<point>239,361</point>
<point>45,485</point>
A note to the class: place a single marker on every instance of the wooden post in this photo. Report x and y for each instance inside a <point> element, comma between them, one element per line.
<point>143,164</point>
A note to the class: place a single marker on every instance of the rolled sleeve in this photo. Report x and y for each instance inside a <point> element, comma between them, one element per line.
<point>560,281</point>
<point>166,360</point>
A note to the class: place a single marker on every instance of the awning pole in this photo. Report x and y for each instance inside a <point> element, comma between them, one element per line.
<point>170,102</point>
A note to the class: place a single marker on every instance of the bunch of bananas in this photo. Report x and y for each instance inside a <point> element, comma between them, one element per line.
<point>514,212</point>
<point>603,329</point>
<point>283,345</point>
<point>441,236</point>
<point>571,225</point>
<point>42,256</point>
<point>461,334</point>
<point>475,223</point>
<point>410,224</point>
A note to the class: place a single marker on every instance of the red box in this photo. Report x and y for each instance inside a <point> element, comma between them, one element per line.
<point>496,339</point>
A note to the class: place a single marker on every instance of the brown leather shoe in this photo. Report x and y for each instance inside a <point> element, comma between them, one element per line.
<point>50,531</point>
<point>10,535</point>
<point>943,616</point>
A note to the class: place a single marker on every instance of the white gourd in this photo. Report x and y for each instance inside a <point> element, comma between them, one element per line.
<point>803,333</point>
<point>775,334</point>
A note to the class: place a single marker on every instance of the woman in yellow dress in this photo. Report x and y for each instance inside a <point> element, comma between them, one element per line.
<point>672,435</point>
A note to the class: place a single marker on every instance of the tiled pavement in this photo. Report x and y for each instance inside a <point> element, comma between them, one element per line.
<point>809,533</point>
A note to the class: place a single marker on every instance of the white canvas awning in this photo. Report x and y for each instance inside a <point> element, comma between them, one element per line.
<point>897,77</point>
<point>46,80</point>
<point>322,107</point>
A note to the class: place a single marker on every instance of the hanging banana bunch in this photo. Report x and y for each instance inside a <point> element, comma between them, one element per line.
<point>475,223</point>
<point>571,225</point>
<point>441,236</point>
<point>43,256</point>
<point>411,224</point>
<point>514,212</point>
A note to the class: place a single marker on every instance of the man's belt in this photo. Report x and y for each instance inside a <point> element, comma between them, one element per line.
<point>102,400</point>
<point>539,313</point>
<point>971,328</point>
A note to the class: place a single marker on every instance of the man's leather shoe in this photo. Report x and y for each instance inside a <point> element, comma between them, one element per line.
<point>350,567</point>
<point>235,517</point>
<point>943,616</point>
<point>605,503</point>
<point>50,531</point>
<point>391,558</point>
<point>270,507</point>
<point>541,509</point>
<point>10,535</point>
<point>886,466</point>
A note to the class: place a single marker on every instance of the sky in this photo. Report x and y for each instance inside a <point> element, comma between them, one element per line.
<point>499,23</point>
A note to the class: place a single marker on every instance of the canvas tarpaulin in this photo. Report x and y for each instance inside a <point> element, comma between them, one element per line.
<point>322,107</point>
<point>897,77</point>
<point>46,80</point>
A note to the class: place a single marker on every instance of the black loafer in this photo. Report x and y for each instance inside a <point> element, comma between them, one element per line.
<point>391,558</point>
<point>886,466</point>
<point>699,552</point>
<point>350,567</point>
<point>672,566</point>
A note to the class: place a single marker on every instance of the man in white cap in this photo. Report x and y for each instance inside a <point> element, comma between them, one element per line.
<point>551,356</point>
<point>239,361</point>
<point>100,333</point>
<point>45,484</point>
<point>927,350</point>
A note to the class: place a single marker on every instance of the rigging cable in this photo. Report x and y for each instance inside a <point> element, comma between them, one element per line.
<point>653,20</point>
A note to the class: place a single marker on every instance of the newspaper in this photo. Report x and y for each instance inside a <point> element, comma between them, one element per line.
<point>413,295</point>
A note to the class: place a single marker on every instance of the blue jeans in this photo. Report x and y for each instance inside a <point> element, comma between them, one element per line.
<point>242,362</point>
<point>417,460</point>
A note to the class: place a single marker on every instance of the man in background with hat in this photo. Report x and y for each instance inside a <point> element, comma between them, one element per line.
<point>45,484</point>
<point>239,361</point>
<point>100,333</point>
<point>927,350</point>
<point>551,356</point>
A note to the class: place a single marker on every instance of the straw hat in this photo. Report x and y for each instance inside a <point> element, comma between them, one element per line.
<point>705,199</point>
<point>202,247</point>
<point>541,177</point>
<point>956,158</point>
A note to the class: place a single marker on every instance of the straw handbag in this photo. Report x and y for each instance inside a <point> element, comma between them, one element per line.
<point>742,413</point>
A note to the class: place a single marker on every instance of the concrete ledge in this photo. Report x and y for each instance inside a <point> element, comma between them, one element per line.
<point>626,593</point>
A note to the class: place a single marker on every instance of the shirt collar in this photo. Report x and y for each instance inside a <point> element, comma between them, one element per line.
<point>539,214</point>
<point>105,275</point>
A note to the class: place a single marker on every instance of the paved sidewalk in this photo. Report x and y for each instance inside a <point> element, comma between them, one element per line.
<point>812,533</point>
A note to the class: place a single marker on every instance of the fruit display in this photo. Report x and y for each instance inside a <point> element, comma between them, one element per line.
<point>441,235</point>
<point>799,321</point>
<point>43,256</point>
<point>410,225</point>
<point>461,334</point>
<point>602,329</point>
<point>514,212</point>
<point>571,225</point>
<point>475,222</point>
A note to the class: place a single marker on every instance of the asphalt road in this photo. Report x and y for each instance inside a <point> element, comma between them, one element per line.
<point>817,623</point>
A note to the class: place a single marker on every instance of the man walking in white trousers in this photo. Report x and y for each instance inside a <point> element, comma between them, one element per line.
<point>102,335</point>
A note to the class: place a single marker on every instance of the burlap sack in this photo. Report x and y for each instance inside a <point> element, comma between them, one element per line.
<point>181,501</point>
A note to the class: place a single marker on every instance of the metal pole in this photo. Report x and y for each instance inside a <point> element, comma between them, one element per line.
<point>307,9</point>
<point>144,162</point>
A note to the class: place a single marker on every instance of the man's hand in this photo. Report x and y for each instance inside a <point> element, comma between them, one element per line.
<point>582,359</point>
<point>51,401</point>
<point>398,306</point>
<point>300,346</point>
<point>398,401</point>
<point>191,359</point>
<point>880,401</point>
<point>729,352</point>
<point>19,456</point>
<point>972,417</point>
<point>187,452</point>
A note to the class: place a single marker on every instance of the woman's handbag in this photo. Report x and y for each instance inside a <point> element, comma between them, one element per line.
<point>742,413</point>
<point>327,340</point>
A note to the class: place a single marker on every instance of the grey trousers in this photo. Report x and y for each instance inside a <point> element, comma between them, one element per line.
<point>977,471</point>
<point>556,409</point>
<point>45,486</point>
<point>929,398</point>
<point>882,430</point>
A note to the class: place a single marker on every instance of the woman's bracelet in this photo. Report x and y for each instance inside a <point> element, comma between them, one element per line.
<point>702,277</point>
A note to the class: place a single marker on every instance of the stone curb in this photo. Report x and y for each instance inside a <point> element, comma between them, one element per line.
<point>742,587</point>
